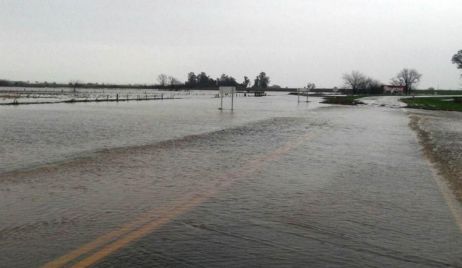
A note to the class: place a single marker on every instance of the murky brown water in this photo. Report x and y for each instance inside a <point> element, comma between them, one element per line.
<point>441,136</point>
<point>276,185</point>
<point>33,135</point>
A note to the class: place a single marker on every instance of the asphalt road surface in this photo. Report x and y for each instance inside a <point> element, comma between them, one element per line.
<point>339,187</point>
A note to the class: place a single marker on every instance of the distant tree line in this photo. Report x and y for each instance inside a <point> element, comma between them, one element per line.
<point>202,80</point>
<point>194,81</point>
<point>407,78</point>
<point>359,83</point>
<point>355,81</point>
<point>9,83</point>
<point>72,84</point>
<point>362,84</point>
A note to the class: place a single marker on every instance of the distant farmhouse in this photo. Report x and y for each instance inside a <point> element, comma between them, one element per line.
<point>391,89</point>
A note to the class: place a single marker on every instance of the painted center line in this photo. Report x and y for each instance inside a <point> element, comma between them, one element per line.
<point>148,222</point>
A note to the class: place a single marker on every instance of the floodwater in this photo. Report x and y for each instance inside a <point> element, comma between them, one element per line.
<point>32,135</point>
<point>179,183</point>
<point>441,133</point>
<point>10,95</point>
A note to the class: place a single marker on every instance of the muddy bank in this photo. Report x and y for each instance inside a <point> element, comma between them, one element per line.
<point>440,134</point>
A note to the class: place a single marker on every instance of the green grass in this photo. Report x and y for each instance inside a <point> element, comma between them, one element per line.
<point>343,100</point>
<point>437,92</point>
<point>435,103</point>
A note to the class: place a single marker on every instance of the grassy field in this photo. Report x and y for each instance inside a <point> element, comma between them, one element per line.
<point>435,103</point>
<point>343,100</point>
<point>437,92</point>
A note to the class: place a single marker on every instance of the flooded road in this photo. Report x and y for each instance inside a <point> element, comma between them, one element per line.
<point>273,184</point>
<point>33,135</point>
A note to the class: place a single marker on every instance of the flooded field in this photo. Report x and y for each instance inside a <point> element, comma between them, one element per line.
<point>36,134</point>
<point>179,183</point>
<point>15,95</point>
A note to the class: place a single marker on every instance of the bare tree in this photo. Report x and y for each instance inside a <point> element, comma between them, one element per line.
<point>356,81</point>
<point>162,79</point>
<point>407,78</point>
<point>172,81</point>
<point>75,84</point>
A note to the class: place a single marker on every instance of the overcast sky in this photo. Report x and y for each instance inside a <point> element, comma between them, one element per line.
<point>293,41</point>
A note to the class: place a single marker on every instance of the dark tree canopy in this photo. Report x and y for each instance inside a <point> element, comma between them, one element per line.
<point>261,81</point>
<point>203,80</point>
<point>246,82</point>
<point>457,59</point>
<point>192,80</point>
<point>226,80</point>
<point>310,86</point>
<point>373,86</point>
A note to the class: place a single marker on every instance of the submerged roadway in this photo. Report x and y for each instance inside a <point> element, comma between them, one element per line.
<point>341,187</point>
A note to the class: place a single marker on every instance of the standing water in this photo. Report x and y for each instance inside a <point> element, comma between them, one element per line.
<point>180,183</point>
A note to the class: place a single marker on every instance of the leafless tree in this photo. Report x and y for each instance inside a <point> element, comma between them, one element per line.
<point>407,78</point>
<point>356,81</point>
<point>162,79</point>
<point>173,81</point>
<point>75,84</point>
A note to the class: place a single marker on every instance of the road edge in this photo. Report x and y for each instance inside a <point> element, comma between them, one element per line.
<point>441,174</point>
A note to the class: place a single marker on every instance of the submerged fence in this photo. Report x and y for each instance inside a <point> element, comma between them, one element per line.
<point>16,97</point>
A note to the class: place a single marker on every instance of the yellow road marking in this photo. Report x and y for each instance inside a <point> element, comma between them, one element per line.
<point>129,233</point>
<point>100,241</point>
<point>139,233</point>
